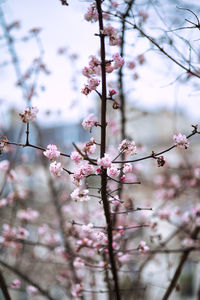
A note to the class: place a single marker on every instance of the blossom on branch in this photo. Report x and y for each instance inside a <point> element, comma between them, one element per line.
<point>127,168</point>
<point>118,61</point>
<point>56,168</point>
<point>89,122</point>
<point>181,141</point>
<point>15,284</point>
<point>113,171</point>
<point>76,157</point>
<point>128,147</point>
<point>51,152</point>
<point>112,33</point>
<point>80,195</point>
<point>93,83</point>
<point>91,15</point>
<point>76,291</point>
<point>29,114</point>
<point>143,248</point>
<point>105,161</point>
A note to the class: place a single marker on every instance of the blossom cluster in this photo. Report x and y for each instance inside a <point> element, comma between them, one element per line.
<point>29,114</point>
<point>181,141</point>
<point>55,167</point>
<point>127,147</point>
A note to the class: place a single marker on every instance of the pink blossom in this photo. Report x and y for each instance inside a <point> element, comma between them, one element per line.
<point>127,147</point>
<point>51,152</point>
<point>112,33</point>
<point>197,172</point>
<point>76,291</point>
<point>3,202</point>
<point>89,122</point>
<point>118,61</point>
<point>43,229</point>
<point>141,59</point>
<point>12,176</point>
<point>15,284</point>
<point>76,157</point>
<point>186,217</point>
<point>112,93</point>
<point>87,72</point>
<point>100,236</point>
<point>143,248</point>
<point>197,223</point>
<point>80,195</point>
<point>32,290</point>
<point>113,171</point>
<point>56,168</point>
<point>92,14</point>
<point>131,65</point>
<point>93,83</point>
<point>29,114</point>
<point>115,200</point>
<point>123,257</point>
<point>114,4</point>
<point>87,228</point>
<point>88,148</point>
<point>86,169</point>
<point>86,90</point>
<point>78,263</point>
<point>188,242</point>
<point>27,214</point>
<point>109,68</point>
<point>164,214</point>
<point>181,141</point>
<point>144,15</point>
<point>22,233</point>
<point>127,168</point>
<point>105,161</point>
<point>4,165</point>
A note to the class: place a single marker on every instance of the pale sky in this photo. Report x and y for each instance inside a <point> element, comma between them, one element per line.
<point>65,27</point>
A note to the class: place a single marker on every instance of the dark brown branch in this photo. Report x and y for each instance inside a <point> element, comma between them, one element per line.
<point>180,267</point>
<point>4,287</point>
<point>27,279</point>
<point>103,150</point>
<point>154,155</point>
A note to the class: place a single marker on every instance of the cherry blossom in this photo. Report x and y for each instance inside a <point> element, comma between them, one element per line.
<point>80,195</point>
<point>32,290</point>
<point>76,291</point>
<point>92,14</point>
<point>93,83</point>
<point>128,147</point>
<point>4,165</point>
<point>29,114</point>
<point>127,168</point>
<point>143,248</point>
<point>78,263</point>
<point>76,157</point>
<point>56,168</point>
<point>112,93</point>
<point>112,33</point>
<point>181,141</point>
<point>28,214</point>
<point>89,122</point>
<point>118,61</point>
<point>113,171</point>
<point>87,228</point>
<point>105,161</point>
<point>15,284</point>
<point>86,90</point>
<point>52,152</point>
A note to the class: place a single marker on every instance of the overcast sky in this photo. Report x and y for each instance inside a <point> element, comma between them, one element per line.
<point>65,27</point>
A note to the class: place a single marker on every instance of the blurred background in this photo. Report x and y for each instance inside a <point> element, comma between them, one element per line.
<point>43,49</point>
